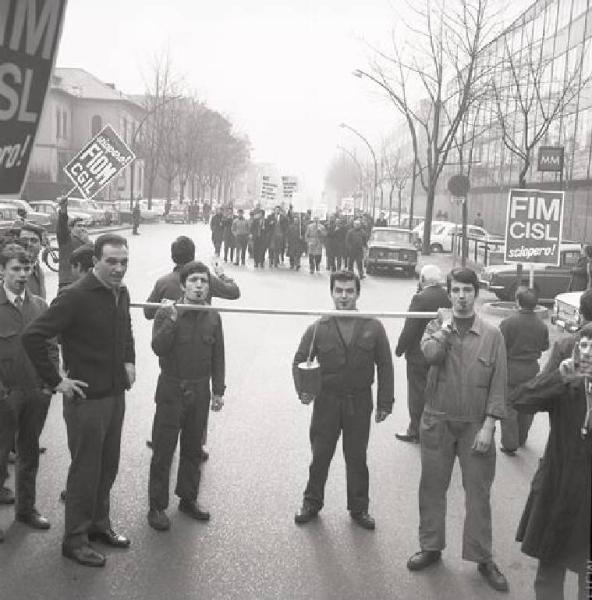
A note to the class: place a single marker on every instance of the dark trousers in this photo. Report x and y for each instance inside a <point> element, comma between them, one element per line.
<point>332,415</point>
<point>357,260</point>
<point>22,417</point>
<point>259,251</point>
<point>228,249</point>
<point>314,262</point>
<point>94,436</point>
<point>417,373</point>
<point>242,241</point>
<point>441,442</point>
<point>295,260</point>
<point>334,262</point>
<point>515,426</point>
<point>550,579</point>
<point>180,409</point>
<point>217,245</point>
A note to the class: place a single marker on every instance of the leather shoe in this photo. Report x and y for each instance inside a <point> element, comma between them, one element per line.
<point>508,452</point>
<point>33,519</point>
<point>6,496</point>
<point>493,576</point>
<point>363,519</point>
<point>305,514</point>
<point>84,555</point>
<point>406,437</point>
<point>192,509</point>
<point>158,519</point>
<point>148,443</point>
<point>109,537</point>
<point>422,559</point>
<point>204,455</point>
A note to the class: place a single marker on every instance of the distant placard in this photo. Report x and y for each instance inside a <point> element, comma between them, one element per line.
<point>347,206</point>
<point>534,226</point>
<point>319,211</point>
<point>99,162</point>
<point>29,36</point>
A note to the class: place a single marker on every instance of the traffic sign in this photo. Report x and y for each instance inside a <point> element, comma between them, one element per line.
<point>459,185</point>
<point>103,157</point>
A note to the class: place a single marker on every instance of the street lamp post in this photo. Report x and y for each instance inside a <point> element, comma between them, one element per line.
<point>134,137</point>
<point>346,126</point>
<point>357,163</point>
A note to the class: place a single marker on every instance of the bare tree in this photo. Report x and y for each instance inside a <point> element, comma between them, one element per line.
<point>440,65</point>
<point>529,93</point>
<point>397,174</point>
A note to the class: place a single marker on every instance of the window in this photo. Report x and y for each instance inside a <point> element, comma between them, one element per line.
<point>58,124</point>
<point>65,124</point>
<point>96,125</point>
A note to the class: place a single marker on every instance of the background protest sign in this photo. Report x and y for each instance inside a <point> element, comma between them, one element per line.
<point>534,226</point>
<point>98,162</point>
<point>29,36</point>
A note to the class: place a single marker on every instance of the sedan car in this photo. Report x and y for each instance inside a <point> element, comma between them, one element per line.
<point>37,218</point>
<point>50,208</point>
<point>566,311</point>
<point>549,280</point>
<point>391,249</point>
<point>176,214</point>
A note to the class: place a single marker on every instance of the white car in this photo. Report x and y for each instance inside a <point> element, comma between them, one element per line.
<point>566,311</point>
<point>441,238</point>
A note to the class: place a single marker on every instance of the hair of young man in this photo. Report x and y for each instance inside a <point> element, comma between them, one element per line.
<point>344,276</point>
<point>14,251</point>
<point>527,298</point>
<point>586,331</point>
<point>83,257</point>
<point>38,231</point>
<point>195,266</point>
<point>586,305</point>
<point>108,239</point>
<point>463,275</point>
<point>182,250</point>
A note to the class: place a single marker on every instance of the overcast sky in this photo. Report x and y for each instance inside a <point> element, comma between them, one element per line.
<point>281,70</point>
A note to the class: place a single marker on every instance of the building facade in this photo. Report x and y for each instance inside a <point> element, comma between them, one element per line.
<point>78,105</point>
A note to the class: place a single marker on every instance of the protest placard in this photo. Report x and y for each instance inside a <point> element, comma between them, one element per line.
<point>29,36</point>
<point>534,226</point>
<point>98,162</point>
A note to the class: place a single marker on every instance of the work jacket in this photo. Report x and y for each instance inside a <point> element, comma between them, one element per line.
<point>467,377</point>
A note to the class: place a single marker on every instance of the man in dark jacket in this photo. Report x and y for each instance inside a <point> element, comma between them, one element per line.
<point>25,398</point>
<point>526,338</point>
<point>430,298</point>
<point>348,350</point>
<point>31,236</point>
<point>190,347</point>
<point>217,228</point>
<point>70,235</point>
<point>92,317</point>
<point>355,242</point>
<point>555,525</point>
<point>136,218</point>
<point>258,235</point>
<point>581,273</point>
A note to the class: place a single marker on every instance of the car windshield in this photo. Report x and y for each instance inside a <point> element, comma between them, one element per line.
<point>391,237</point>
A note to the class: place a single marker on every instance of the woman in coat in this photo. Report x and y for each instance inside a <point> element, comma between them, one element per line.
<point>555,525</point>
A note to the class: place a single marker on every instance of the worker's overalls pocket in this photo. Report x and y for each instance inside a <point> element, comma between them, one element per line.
<point>167,391</point>
<point>482,372</point>
<point>365,346</point>
<point>430,431</point>
<point>329,356</point>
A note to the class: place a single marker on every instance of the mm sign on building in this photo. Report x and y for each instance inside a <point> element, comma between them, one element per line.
<point>98,162</point>
<point>551,159</point>
<point>534,226</point>
<point>29,36</point>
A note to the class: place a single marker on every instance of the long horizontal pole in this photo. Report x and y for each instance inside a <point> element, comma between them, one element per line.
<point>294,311</point>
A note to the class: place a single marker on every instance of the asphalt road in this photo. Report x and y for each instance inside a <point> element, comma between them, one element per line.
<point>252,484</point>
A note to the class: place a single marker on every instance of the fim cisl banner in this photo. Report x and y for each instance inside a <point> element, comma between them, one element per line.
<point>29,36</point>
<point>534,226</point>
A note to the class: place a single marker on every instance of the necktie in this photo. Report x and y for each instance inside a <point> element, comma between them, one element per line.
<point>18,302</point>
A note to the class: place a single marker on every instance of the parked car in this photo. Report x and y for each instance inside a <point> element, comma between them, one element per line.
<point>407,223</point>
<point>566,311</point>
<point>86,206</point>
<point>37,218</point>
<point>391,249</point>
<point>8,217</point>
<point>548,280</point>
<point>442,235</point>
<point>177,214</point>
<point>50,208</point>
<point>149,215</point>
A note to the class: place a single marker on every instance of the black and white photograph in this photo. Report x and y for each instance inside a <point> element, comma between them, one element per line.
<point>295,299</point>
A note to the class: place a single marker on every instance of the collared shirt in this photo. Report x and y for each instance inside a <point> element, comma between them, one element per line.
<point>467,377</point>
<point>12,297</point>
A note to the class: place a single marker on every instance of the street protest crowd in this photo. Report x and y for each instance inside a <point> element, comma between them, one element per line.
<point>282,234</point>
<point>464,377</point>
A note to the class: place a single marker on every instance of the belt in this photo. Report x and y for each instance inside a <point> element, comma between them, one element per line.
<point>185,384</point>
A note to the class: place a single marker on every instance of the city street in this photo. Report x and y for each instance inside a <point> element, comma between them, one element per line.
<point>253,482</point>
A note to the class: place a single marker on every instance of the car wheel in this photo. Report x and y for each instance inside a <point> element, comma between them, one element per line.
<point>436,248</point>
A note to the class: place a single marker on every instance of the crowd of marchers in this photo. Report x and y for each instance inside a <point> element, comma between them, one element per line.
<point>465,376</point>
<point>284,237</point>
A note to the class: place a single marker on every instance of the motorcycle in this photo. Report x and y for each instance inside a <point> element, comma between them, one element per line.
<point>50,256</point>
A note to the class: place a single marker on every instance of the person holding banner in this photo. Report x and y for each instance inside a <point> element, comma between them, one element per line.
<point>348,349</point>
<point>71,234</point>
<point>581,274</point>
<point>92,317</point>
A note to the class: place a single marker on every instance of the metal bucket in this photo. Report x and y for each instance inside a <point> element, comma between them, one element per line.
<point>310,377</point>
